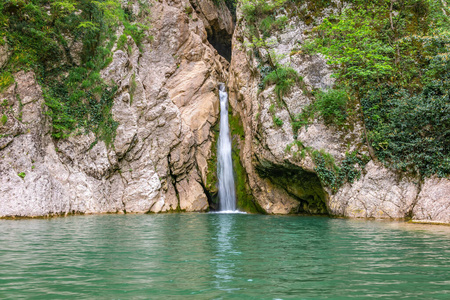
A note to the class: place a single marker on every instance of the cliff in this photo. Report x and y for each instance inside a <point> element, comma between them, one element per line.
<point>143,138</point>
<point>314,166</point>
<point>165,103</point>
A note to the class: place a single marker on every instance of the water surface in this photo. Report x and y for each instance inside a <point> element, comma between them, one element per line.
<point>221,256</point>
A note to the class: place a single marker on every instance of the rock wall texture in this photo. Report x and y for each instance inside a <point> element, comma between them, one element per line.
<point>166,103</point>
<point>282,178</point>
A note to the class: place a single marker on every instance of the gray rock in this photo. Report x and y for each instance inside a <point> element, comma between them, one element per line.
<point>165,105</point>
<point>280,169</point>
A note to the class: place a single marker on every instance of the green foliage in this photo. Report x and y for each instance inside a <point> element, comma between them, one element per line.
<point>6,79</point>
<point>263,71</point>
<point>121,42</point>
<point>331,105</point>
<point>277,121</point>
<point>284,79</point>
<point>304,118</point>
<point>270,24</point>
<point>364,45</point>
<point>4,119</point>
<point>411,132</point>
<point>394,57</point>
<point>77,98</point>
<point>299,145</point>
<point>22,175</point>
<point>350,43</point>
<point>334,176</point>
<point>236,127</point>
<point>244,198</point>
<point>231,4</point>
<point>255,9</point>
<point>137,32</point>
<point>261,20</point>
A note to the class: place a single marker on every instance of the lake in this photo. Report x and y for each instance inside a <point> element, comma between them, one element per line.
<point>221,256</point>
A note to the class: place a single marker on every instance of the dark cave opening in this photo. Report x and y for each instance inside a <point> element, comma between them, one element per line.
<point>217,34</point>
<point>221,41</point>
<point>302,185</point>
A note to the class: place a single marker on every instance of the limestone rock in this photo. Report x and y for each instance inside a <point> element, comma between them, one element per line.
<point>215,15</point>
<point>380,193</point>
<point>433,201</point>
<point>281,170</point>
<point>192,196</point>
<point>165,104</point>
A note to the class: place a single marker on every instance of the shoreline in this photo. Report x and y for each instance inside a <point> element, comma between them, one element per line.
<point>62,215</point>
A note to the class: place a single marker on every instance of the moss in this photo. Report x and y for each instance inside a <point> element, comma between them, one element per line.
<point>244,197</point>
<point>236,127</point>
<point>303,186</point>
<point>245,200</point>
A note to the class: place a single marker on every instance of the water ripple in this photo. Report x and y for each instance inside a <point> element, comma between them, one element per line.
<point>221,256</point>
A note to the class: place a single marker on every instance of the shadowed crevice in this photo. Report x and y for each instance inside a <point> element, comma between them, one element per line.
<point>302,185</point>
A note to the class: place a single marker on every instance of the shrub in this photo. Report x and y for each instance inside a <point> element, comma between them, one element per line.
<point>4,119</point>
<point>77,98</point>
<point>334,176</point>
<point>398,69</point>
<point>284,79</point>
<point>6,79</point>
<point>410,132</point>
<point>304,118</point>
<point>277,121</point>
<point>331,106</point>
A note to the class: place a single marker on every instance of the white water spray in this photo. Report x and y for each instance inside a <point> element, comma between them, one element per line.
<point>227,194</point>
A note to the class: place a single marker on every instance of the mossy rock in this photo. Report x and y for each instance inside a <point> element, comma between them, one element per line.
<point>244,197</point>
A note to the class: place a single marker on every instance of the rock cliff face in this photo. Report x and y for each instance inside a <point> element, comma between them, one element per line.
<point>165,105</point>
<point>282,173</point>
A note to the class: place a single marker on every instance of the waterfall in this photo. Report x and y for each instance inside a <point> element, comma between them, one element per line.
<point>227,194</point>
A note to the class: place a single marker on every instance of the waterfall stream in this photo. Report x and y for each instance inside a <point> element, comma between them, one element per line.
<point>227,194</point>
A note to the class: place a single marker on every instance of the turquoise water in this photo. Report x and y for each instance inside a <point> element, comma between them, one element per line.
<point>221,256</point>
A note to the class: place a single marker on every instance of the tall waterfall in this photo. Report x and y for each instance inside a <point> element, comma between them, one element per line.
<point>227,194</point>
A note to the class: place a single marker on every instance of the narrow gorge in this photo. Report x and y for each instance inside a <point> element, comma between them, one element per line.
<point>126,120</point>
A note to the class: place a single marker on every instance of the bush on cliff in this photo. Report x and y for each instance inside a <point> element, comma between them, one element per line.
<point>40,34</point>
<point>394,57</point>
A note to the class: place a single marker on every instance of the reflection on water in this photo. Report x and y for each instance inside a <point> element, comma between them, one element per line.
<point>221,256</point>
